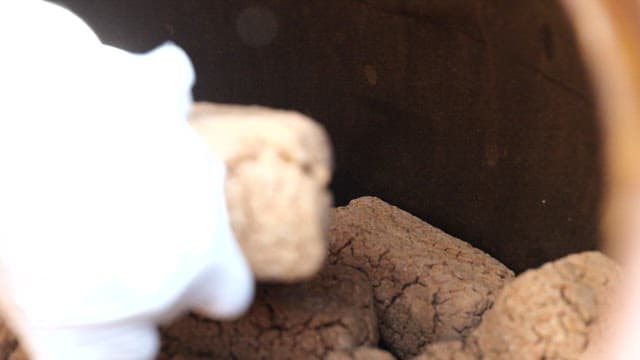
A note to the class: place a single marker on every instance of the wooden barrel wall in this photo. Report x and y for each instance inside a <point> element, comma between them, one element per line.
<point>474,115</point>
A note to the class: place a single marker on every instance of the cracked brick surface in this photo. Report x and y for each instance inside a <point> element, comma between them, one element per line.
<point>278,168</point>
<point>361,353</point>
<point>333,312</point>
<point>428,286</point>
<point>552,312</point>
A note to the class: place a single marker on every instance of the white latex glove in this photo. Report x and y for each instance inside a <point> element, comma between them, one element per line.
<point>112,209</point>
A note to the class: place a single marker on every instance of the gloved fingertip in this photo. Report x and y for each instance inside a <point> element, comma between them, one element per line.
<point>226,292</point>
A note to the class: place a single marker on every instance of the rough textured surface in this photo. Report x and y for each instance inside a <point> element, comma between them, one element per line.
<point>279,167</point>
<point>428,286</point>
<point>304,321</point>
<point>450,350</point>
<point>361,353</point>
<point>553,312</point>
<point>548,313</point>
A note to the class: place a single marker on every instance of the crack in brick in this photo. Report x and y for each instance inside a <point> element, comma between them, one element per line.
<point>399,251</point>
<point>287,319</point>
<point>538,311</point>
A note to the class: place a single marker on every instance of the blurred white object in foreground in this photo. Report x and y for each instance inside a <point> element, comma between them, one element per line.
<point>112,209</point>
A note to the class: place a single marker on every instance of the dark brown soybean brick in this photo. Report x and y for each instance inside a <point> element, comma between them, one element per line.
<point>428,285</point>
<point>333,312</point>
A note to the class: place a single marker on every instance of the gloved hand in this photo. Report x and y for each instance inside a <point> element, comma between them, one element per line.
<point>112,211</point>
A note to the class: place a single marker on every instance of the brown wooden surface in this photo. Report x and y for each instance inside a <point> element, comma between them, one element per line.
<point>474,115</point>
<point>609,34</point>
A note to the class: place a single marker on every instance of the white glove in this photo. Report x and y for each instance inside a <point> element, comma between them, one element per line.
<point>112,209</point>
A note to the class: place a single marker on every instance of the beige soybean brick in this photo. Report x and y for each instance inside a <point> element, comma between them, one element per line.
<point>278,169</point>
<point>360,353</point>
<point>553,312</point>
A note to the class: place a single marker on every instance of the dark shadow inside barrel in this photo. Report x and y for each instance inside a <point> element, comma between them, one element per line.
<point>474,115</point>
